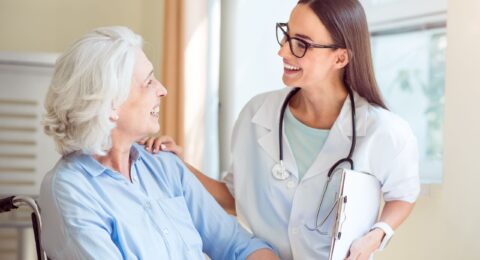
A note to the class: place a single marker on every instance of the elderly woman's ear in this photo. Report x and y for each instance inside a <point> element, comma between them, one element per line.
<point>114,115</point>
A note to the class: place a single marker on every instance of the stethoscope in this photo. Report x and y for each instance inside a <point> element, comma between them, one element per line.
<point>280,173</point>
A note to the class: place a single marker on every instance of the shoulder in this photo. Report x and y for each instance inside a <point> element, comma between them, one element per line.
<point>388,127</point>
<point>384,120</point>
<point>66,174</point>
<point>160,157</point>
<point>270,99</point>
<point>66,184</point>
<point>164,160</point>
<point>166,167</point>
<point>262,109</point>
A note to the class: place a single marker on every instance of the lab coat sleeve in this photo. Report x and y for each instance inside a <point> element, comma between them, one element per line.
<point>242,122</point>
<point>228,179</point>
<point>401,179</point>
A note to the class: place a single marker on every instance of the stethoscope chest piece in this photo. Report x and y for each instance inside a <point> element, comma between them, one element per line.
<point>279,172</point>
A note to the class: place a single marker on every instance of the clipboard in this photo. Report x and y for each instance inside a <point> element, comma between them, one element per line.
<point>357,209</point>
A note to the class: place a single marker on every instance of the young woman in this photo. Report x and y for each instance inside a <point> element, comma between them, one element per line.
<point>325,49</point>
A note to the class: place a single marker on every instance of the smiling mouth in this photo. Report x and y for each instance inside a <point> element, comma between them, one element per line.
<point>290,67</point>
<point>155,111</point>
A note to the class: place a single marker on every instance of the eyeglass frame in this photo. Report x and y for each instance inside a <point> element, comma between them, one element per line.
<point>307,44</point>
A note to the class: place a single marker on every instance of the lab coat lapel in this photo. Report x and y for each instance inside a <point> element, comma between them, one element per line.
<point>268,117</point>
<point>337,145</point>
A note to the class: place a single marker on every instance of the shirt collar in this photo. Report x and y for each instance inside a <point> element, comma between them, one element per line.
<point>135,153</point>
<point>95,168</point>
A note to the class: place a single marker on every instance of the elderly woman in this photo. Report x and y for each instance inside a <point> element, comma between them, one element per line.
<point>107,198</point>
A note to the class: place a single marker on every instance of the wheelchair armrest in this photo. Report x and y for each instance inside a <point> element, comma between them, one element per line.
<point>6,204</point>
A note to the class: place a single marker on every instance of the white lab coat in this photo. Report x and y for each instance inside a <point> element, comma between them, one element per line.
<point>278,211</point>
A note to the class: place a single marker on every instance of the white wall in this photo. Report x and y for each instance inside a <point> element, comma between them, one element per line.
<point>52,25</point>
<point>201,75</point>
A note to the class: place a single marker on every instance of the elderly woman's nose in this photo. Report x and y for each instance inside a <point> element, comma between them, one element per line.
<point>162,91</point>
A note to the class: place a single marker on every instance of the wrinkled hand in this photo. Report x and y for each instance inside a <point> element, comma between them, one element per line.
<point>154,144</point>
<point>363,247</point>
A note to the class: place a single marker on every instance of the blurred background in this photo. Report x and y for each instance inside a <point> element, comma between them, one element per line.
<point>214,55</point>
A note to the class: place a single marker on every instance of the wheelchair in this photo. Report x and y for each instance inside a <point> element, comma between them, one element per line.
<point>13,202</point>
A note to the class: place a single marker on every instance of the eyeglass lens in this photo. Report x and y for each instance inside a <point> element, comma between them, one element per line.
<point>297,47</point>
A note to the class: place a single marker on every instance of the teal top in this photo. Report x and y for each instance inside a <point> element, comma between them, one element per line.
<point>305,142</point>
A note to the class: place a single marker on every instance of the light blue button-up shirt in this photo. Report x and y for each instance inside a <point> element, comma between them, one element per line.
<point>92,212</point>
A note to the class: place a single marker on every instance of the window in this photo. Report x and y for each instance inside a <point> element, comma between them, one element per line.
<point>408,44</point>
<point>410,69</point>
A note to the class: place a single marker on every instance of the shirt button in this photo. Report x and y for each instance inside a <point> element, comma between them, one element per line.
<point>291,184</point>
<point>165,231</point>
<point>148,205</point>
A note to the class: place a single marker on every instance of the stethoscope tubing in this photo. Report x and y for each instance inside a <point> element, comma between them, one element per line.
<point>347,159</point>
<point>282,114</point>
<point>354,132</point>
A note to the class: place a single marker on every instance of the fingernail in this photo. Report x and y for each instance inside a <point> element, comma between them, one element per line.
<point>163,147</point>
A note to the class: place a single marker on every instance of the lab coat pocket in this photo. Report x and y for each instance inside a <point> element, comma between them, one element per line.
<point>316,245</point>
<point>177,212</point>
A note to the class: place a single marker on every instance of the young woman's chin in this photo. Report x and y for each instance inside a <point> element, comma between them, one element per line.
<point>290,81</point>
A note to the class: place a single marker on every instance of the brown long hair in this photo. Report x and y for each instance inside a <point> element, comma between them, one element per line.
<point>345,20</point>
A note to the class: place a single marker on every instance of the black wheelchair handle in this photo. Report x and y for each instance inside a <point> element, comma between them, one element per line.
<point>6,204</point>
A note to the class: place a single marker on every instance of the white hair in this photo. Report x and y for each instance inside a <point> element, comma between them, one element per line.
<point>90,79</point>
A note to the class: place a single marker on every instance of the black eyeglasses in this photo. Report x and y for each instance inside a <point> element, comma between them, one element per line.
<point>298,46</point>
